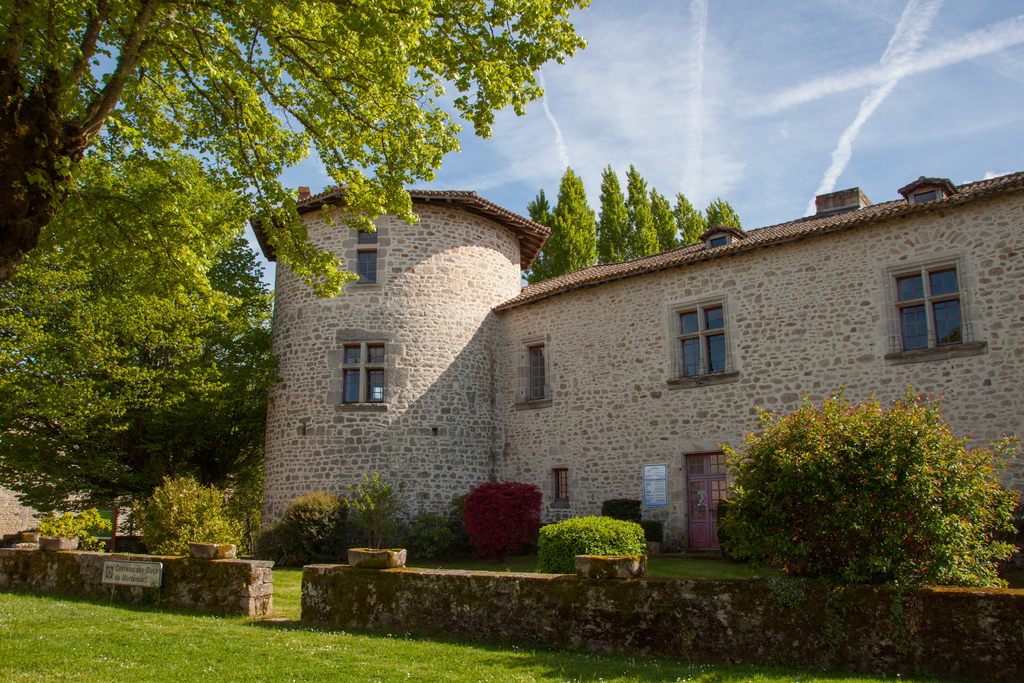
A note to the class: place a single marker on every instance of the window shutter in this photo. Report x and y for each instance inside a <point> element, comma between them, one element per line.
<point>549,373</point>
<point>523,375</point>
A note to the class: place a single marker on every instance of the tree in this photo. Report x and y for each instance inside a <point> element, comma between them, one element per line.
<point>251,87</point>
<point>858,494</point>
<point>720,212</point>
<point>118,364</point>
<point>612,226</point>
<point>664,222</point>
<point>539,210</point>
<point>573,241</point>
<point>642,238</point>
<point>689,222</point>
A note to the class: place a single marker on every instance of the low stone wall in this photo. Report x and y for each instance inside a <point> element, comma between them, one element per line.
<point>864,629</point>
<point>216,586</point>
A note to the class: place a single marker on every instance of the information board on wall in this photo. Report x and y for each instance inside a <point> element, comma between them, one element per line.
<point>146,574</point>
<point>655,485</point>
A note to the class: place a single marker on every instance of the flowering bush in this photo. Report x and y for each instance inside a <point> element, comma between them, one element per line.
<point>83,526</point>
<point>181,511</point>
<point>502,517</point>
<point>859,494</point>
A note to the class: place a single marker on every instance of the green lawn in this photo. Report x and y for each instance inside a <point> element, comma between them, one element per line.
<point>51,639</point>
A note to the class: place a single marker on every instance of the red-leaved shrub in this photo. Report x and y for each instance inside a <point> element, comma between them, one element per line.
<point>502,517</point>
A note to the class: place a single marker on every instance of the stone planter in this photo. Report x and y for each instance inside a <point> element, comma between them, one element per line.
<point>653,549</point>
<point>212,551</point>
<point>610,567</point>
<point>58,544</point>
<point>367,558</point>
<point>30,537</point>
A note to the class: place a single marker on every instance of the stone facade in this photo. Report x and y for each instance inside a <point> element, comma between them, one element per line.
<point>803,316</point>
<point>431,307</point>
<point>14,516</point>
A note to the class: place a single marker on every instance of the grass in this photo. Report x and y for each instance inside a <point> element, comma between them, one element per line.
<point>49,639</point>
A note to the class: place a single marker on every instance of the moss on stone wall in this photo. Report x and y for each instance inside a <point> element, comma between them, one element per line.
<point>865,629</point>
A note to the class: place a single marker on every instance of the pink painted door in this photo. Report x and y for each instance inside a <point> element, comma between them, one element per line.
<point>706,485</point>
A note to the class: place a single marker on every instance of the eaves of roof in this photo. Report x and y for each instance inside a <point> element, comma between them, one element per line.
<point>761,238</point>
<point>531,236</point>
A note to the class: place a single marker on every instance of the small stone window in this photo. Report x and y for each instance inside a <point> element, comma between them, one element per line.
<point>560,480</point>
<point>721,235</point>
<point>363,373</point>
<point>701,340</point>
<point>928,190</point>
<point>534,373</point>
<point>367,267</point>
<point>928,305</point>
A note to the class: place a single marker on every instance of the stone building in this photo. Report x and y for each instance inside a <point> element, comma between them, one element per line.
<point>438,371</point>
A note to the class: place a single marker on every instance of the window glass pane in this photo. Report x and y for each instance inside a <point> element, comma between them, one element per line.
<point>691,357</point>
<point>716,353</point>
<point>929,196</point>
<point>367,266</point>
<point>375,386</point>
<point>536,388</point>
<point>561,484</point>
<point>947,322</point>
<point>915,327</point>
<point>718,463</point>
<point>351,386</point>
<point>719,242</point>
<point>367,237</point>
<point>696,464</point>
<point>713,318</point>
<point>352,354</point>
<point>375,353</point>
<point>688,323</point>
<point>943,283</point>
<point>910,288</point>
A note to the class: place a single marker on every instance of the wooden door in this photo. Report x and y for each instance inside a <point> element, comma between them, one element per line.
<point>705,485</point>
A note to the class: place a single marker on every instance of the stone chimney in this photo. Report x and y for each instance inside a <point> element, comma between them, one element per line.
<point>303,193</point>
<point>844,200</point>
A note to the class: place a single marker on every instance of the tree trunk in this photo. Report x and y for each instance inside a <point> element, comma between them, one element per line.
<point>37,152</point>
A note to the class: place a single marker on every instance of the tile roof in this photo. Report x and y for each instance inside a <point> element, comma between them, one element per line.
<point>531,235</point>
<point>759,239</point>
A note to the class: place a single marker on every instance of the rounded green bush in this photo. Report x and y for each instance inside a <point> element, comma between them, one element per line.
<point>313,529</point>
<point>181,511</point>
<point>559,544</point>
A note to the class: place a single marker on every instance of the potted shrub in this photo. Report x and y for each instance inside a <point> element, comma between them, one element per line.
<point>375,505</point>
<point>68,531</point>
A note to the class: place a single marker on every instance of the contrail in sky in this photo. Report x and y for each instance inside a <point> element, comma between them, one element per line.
<point>910,32</point>
<point>699,14</point>
<point>998,36</point>
<point>563,153</point>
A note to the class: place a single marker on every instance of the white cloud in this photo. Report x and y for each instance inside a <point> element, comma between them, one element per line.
<point>910,32</point>
<point>563,153</point>
<point>991,39</point>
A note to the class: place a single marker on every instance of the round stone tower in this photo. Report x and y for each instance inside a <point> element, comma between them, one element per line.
<point>396,376</point>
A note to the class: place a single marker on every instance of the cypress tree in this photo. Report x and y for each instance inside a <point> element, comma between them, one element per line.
<point>540,210</point>
<point>573,241</point>
<point>720,212</point>
<point>612,225</point>
<point>689,221</point>
<point>641,238</point>
<point>664,221</point>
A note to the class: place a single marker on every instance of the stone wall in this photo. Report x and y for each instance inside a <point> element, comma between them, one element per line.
<point>14,516</point>
<point>801,319</point>
<point>934,632</point>
<point>436,431</point>
<point>216,586</point>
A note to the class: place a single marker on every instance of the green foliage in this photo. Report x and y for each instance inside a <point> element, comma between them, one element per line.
<point>245,505</point>
<point>539,210</point>
<point>182,512</point>
<point>628,509</point>
<point>559,544</point>
<point>431,537</point>
<point>858,494</point>
<point>720,212</point>
<point>664,221</point>
<point>85,526</point>
<point>573,241</point>
<point>170,362</point>
<point>654,530</point>
<point>642,237</point>
<point>253,87</point>
<point>375,506</point>
<point>313,529</point>
<point>613,224</point>
<point>690,223</point>
<point>721,510</point>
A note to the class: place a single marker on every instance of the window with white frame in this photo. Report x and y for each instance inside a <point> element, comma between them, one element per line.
<point>535,372</point>
<point>363,373</point>
<point>700,339</point>
<point>928,308</point>
<point>536,388</point>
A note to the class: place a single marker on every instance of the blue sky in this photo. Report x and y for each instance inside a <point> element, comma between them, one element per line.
<point>764,105</point>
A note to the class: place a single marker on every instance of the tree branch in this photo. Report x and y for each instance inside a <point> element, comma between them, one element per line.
<point>11,53</point>
<point>92,32</point>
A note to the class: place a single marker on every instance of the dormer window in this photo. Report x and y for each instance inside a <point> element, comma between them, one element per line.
<point>721,235</point>
<point>927,190</point>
